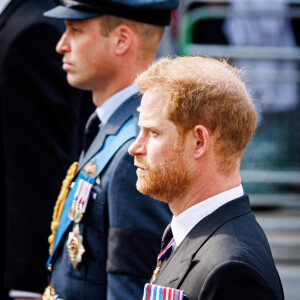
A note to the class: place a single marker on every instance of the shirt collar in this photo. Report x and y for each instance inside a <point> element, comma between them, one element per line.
<point>187,220</point>
<point>3,5</point>
<point>106,110</point>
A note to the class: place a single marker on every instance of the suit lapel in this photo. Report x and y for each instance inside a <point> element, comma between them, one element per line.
<point>120,116</point>
<point>180,261</point>
<point>10,8</point>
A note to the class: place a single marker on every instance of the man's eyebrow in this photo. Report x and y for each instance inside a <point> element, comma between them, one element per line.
<point>71,22</point>
<point>144,125</point>
<point>148,125</point>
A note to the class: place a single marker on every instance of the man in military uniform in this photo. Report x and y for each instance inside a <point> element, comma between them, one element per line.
<point>108,234</point>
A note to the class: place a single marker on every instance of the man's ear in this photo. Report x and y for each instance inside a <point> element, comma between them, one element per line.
<point>124,37</point>
<point>201,140</point>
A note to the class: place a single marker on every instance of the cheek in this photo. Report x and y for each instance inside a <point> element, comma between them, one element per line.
<point>156,154</point>
<point>100,60</point>
<point>80,53</point>
<point>88,61</point>
<point>86,47</point>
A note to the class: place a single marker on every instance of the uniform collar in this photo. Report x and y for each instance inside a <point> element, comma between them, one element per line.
<point>106,110</point>
<point>121,114</point>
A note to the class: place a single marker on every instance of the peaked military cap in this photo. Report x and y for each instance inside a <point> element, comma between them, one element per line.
<point>157,12</point>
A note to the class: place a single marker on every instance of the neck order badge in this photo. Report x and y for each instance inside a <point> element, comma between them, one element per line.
<point>77,198</point>
<point>160,258</point>
<point>157,292</point>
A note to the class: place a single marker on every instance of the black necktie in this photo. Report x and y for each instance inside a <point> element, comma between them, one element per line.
<point>91,130</point>
<point>167,236</point>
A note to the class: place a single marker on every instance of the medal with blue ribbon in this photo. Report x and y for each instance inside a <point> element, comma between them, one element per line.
<point>160,257</point>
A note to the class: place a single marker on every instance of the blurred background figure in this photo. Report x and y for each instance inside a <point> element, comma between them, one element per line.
<point>262,38</point>
<point>41,120</point>
<point>259,31</point>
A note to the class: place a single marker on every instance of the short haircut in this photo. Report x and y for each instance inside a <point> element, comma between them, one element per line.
<point>206,91</point>
<point>149,34</point>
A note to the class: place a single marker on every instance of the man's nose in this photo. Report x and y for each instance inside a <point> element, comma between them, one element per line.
<point>63,45</point>
<point>137,147</point>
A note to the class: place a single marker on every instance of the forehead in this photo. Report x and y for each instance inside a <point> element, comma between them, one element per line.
<point>153,114</point>
<point>153,106</point>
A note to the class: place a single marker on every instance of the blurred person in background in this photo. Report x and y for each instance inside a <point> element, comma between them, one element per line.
<point>41,121</point>
<point>269,81</point>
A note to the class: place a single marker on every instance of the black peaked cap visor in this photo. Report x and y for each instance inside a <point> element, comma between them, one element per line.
<point>156,17</point>
<point>62,12</point>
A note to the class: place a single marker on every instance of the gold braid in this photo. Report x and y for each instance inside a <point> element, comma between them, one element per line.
<point>60,203</point>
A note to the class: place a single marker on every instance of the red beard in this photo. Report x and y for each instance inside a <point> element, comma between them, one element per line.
<point>165,181</point>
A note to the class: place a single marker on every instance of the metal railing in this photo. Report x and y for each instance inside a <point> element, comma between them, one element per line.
<point>193,13</point>
<point>189,17</point>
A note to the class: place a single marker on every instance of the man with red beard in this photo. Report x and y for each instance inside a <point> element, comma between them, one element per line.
<point>196,118</point>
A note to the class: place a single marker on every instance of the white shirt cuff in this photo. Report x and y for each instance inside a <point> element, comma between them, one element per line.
<point>23,294</point>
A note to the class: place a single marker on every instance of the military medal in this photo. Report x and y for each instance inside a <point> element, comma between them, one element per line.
<point>160,257</point>
<point>50,294</point>
<point>156,271</point>
<point>81,197</point>
<point>80,201</point>
<point>75,246</point>
<point>98,181</point>
<point>90,168</point>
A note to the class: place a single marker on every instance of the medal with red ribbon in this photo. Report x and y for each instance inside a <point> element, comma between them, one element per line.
<point>160,257</point>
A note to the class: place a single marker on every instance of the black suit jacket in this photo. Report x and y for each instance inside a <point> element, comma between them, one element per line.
<point>225,256</point>
<point>39,131</point>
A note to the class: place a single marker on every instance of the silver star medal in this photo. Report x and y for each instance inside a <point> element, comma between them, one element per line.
<point>75,246</point>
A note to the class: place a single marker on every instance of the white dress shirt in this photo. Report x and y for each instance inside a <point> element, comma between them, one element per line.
<point>3,4</point>
<point>106,110</point>
<point>188,219</point>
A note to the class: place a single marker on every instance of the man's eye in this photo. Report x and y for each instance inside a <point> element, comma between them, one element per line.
<point>74,29</point>
<point>152,133</point>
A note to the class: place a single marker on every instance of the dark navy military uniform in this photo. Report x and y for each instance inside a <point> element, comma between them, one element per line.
<point>121,228</point>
